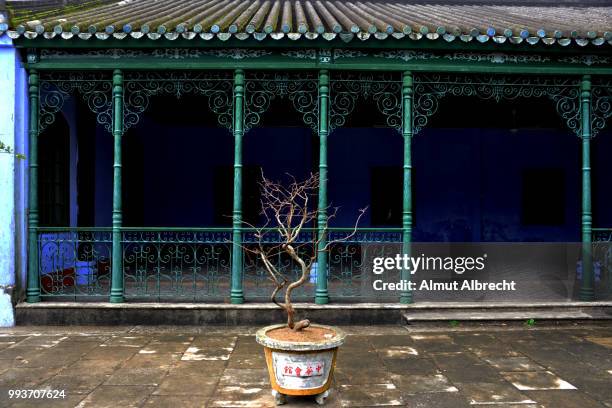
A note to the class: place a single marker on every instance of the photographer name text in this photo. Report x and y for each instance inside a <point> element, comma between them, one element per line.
<point>430,285</point>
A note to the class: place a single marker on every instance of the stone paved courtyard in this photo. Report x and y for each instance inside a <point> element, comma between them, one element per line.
<point>484,366</point>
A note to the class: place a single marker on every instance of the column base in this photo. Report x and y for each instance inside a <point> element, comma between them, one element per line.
<point>406,298</point>
<point>237,297</point>
<point>116,298</point>
<point>586,295</point>
<point>33,298</point>
<point>321,297</point>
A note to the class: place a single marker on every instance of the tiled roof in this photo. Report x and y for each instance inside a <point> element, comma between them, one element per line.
<point>538,21</point>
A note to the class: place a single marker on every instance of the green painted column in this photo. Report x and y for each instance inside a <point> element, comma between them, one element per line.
<point>587,291</point>
<point>406,295</point>
<point>33,289</point>
<point>237,295</point>
<point>321,293</point>
<point>116,295</point>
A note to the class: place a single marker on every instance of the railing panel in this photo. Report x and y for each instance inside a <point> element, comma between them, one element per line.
<point>602,262</point>
<point>74,262</point>
<point>180,264</point>
<point>350,260</point>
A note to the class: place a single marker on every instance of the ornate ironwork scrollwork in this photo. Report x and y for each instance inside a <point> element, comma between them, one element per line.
<point>74,262</point>
<point>384,89</point>
<point>601,106</point>
<point>140,87</point>
<point>300,89</point>
<point>95,89</point>
<point>430,89</point>
<point>188,264</point>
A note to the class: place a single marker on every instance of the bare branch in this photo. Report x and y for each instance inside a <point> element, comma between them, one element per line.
<point>286,213</point>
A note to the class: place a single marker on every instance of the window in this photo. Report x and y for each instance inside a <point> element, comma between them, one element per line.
<point>543,197</point>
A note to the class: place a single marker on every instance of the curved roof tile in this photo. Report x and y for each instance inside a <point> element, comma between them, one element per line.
<point>563,21</point>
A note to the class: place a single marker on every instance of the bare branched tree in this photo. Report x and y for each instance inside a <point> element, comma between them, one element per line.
<point>290,213</point>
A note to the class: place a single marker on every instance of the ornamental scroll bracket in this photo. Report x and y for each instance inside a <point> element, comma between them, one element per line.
<point>564,93</point>
<point>300,89</point>
<point>95,89</point>
<point>384,89</point>
<point>140,87</point>
<point>601,105</point>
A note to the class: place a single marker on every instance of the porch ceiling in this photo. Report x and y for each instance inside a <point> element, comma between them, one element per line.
<point>563,22</point>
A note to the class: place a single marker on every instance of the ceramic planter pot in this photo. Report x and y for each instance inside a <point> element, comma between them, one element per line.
<point>300,368</point>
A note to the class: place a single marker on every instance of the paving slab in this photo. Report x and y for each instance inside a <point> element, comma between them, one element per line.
<point>137,376</point>
<point>597,387</point>
<point>200,385</point>
<point>362,376</point>
<point>563,399</point>
<point>437,400</point>
<point>476,373</point>
<point>5,344</point>
<point>127,340</point>
<point>537,380</point>
<point>72,383</point>
<point>26,378</point>
<point>211,368</point>
<point>416,384</point>
<point>152,360</point>
<point>391,340</point>
<point>369,395</point>
<point>113,396</point>
<point>456,360</point>
<point>603,341</point>
<point>398,352</point>
<point>513,363</point>
<point>165,347</point>
<point>493,393</point>
<point>84,366</point>
<point>18,351</point>
<point>243,377</point>
<point>236,396</point>
<point>103,352</point>
<point>419,366</point>
<point>174,401</point>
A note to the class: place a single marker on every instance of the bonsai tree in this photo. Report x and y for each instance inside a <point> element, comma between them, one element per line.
<point>290,212</point>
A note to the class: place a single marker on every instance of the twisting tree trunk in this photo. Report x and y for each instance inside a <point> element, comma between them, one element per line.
<point>288,216</point>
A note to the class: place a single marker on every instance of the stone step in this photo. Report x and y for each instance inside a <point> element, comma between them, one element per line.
<point>104,313</point>
<point>518,314</point>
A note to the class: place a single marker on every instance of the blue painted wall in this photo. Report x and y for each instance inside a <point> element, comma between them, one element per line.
<point>13,179</point>
<point>352,154</point>
<point>468,183</point>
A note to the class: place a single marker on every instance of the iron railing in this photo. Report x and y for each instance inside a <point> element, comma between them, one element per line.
<point>194,264</point>
<point>191,264</point>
